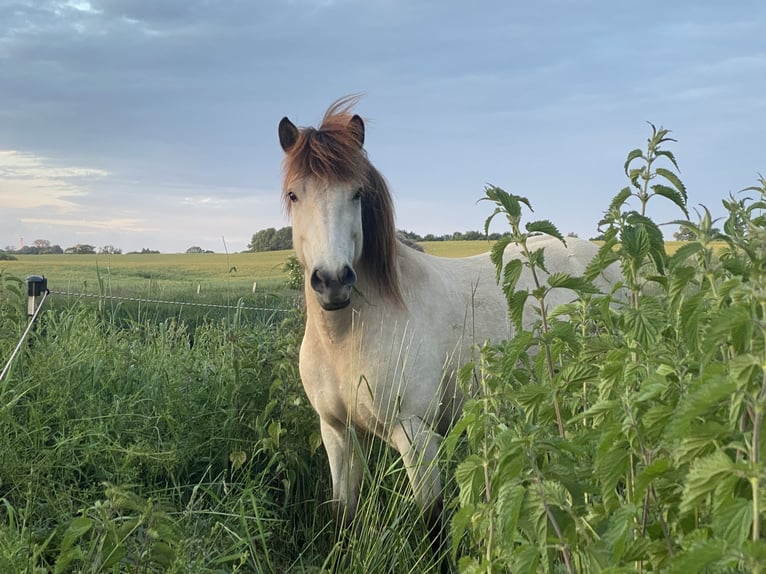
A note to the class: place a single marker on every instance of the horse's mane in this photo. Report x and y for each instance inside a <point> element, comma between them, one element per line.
<point>334,153</point>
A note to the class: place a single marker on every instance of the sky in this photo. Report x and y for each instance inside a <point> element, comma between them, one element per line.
<point>153,123</point>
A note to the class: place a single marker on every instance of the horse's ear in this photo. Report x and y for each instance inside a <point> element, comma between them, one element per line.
<point>357,127</point>
<point>288,134</point>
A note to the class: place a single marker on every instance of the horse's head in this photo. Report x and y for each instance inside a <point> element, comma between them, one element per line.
<point>341,210</point>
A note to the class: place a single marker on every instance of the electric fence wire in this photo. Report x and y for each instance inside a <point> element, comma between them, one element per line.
<point>132,299</point>
<point>188,303</point>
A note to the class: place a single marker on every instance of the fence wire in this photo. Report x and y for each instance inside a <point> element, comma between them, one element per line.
<point>164,302</point>
<point>32,319</point>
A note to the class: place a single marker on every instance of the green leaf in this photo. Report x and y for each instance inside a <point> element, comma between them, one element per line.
<point>672,195</point>
<point>657,468</point>
<point>526,559</point>
<point>461,522</point>
<point>646,323</point>
<point>656,240</point>
<point>733,521</point>
<point>566,281</point>
<point>511,275</point>
<point>546,227</point>
<point>701,555</point>
<point>469,475</point>
<point>633,155</point>
<point>674,180</point>
<point>510,498</point>
<point>711,390</point>
<point>745,369</point>
<point>619,530</point>
<point>705,476</point>
<point>681,281</point>
<point>692,314</point>
<point>496,254</point>
<point>516,303</point>
<point>634,242</point>
<point>619,199</point>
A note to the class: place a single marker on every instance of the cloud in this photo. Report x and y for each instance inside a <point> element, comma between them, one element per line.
<point>30,182</point>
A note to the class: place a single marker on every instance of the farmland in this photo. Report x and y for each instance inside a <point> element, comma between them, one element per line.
<point>181,273</point>
<point>623,433</point>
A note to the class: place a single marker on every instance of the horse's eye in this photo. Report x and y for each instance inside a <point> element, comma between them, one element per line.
<point>358,195</point>
<point>292,197</point>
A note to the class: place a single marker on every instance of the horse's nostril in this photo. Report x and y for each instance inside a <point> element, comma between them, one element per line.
<point>347,276</point>
<point>317,281</point>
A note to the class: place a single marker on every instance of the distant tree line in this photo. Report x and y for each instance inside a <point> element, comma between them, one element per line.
<point>272,239</point>
<point>44,247</point>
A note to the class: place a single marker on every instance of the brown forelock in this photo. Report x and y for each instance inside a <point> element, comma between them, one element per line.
<point>332,154</point>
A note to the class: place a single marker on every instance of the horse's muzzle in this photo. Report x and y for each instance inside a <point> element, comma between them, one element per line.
<point>333,289</point>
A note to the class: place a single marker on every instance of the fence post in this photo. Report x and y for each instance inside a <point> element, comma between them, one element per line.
<point>36,286</point>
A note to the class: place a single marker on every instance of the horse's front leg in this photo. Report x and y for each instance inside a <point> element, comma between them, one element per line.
<point>345,469</point>
<point>418,445</point>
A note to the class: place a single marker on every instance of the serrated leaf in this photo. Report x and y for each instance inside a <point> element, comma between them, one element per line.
<point>469,475</point>
<point>634,243</point>
<point>705,476</point>
<point>619,199</point>
<point>669,155</point>
<point>657,468</point>
<point>619,529</point>
<point>510,498</point>
<point>713,389</point>
<point>633,155</point>
<point>611,462</point>
<point>516,304</point>
<point>605,256</point>
<point>496,254</point>
<point>656,240</point>
<point>461,521</point>
<point>744,369</point>
<point>511,275</point>
<point>691,314</point>
<point>672,195</point>
<point>645,324</point>
<point>683,253</point>
<point>732,323</point>
<point>489,219</point>
<point>673,179</point>
<point>701,555</point>
<point>733,521</point>
<point>526,559</point>
<point>566,281</point>
<point>546,227</point>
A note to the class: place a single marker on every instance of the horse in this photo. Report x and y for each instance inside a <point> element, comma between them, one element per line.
<point>387,326</point>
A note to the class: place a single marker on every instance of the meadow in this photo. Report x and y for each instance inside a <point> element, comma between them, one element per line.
<point>623,433</point>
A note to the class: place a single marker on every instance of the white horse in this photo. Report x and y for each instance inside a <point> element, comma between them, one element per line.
<point>387,326</point>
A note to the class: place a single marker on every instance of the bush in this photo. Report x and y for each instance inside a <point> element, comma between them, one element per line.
<point>633,440</point>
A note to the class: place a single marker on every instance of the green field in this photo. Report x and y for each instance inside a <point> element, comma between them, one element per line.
<point>180,274</point>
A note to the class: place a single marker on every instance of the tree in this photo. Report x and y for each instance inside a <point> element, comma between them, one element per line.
<point>271,239</point>
<point>41,244</point>
<point>80,249</point>
<point>110,250</point>
<point>684,234</point>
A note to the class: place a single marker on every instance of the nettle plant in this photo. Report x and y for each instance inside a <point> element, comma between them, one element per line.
<point>624,432</point>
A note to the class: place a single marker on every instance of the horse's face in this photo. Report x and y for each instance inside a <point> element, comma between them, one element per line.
<point>327,237</point>
<point>322,187</point>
